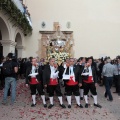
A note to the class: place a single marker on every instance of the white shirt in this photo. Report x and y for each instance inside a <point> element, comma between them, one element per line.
<point>33,69</point>
<point>53,74</point>
<point>71,69</point>
<point>72,73</point>
<point>1,65</point>
<point>33,73</point>
<point>90,71</point>
<point>52,68</point>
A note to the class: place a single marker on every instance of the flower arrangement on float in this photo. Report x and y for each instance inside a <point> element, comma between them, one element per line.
<point>59,56</point>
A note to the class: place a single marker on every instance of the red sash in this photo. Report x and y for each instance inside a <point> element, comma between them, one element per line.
<point>90,79</point>
<point>53,81</point>
<point>34,81</point>
<point>71,81</point>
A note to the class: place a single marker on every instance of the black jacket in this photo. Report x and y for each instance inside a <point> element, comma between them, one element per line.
<point>93,73</point>
<point>28,71</point>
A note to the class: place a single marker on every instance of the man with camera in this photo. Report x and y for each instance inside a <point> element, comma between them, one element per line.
<point>10,69</point>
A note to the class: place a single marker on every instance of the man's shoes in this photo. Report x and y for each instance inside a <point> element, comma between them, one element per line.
<point>5,103</point>
<point>63,106</point>
<point>69,106</point>
<point>33,105</point>
<point>50,106</point>
<point>97,105</point>
<point>86,105</point>
<point>45,105</point>
<point>115,92</point>
<point>80,106</point>
<point>81,98</point>
<point>109,100</point>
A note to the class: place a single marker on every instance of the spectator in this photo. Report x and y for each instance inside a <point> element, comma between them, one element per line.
<point>108,72</point>
<point>10,79</point>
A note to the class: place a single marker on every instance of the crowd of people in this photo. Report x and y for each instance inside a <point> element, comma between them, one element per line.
<point>76,76</point>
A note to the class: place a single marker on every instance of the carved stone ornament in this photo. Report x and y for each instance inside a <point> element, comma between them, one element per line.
<point>43,24</point>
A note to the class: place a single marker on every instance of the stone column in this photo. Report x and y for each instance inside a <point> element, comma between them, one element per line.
<point>20,50</point>
<point>8,46</point>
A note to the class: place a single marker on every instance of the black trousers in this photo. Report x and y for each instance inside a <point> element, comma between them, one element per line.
<point>37,87</point>
<point>117,83</point>
<point>73,89</point>
<point>54,88</point>
<point>65,85</point>
<point>91,87</point>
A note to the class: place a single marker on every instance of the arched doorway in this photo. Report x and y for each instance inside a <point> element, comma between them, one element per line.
<point>4,30</point>
<point>18,49</point>
<point>4,37</point>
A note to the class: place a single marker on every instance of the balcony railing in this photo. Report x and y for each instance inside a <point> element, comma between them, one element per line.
<point>19,5</point>
<point>21,8</point>
<point>17,12</point>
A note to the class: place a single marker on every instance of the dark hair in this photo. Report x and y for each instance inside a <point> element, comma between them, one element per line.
<point>10,55</point>
<point>51,58</point>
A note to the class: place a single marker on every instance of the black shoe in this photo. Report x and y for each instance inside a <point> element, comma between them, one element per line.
<point>80,106</point>
<point>50,106</point>
<point>33,105</point>
<point>81,98</point>
<point>69,106</point>
<point>105,95</point>
<point>109,100</point>
<point>115,92</point>
<point>63,106</point>
<point>118,94</point>
<point>5,103</point>
<point>86,105</point>
<point>45,105</point>
<point>97,105</point>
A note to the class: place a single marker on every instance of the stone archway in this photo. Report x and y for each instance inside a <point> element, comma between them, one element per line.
<point>4,30</point>
<point>19,47</point>
<point>6,43</point>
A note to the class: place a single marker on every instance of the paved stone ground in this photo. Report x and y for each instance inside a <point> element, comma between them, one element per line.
<point>21,110</point>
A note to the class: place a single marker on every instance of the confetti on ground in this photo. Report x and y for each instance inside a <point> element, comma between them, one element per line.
<point>21,110</point>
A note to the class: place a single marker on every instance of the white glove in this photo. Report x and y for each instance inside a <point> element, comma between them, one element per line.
<point>33,74</point>
<point>55,75</point>
<point>85,74</point>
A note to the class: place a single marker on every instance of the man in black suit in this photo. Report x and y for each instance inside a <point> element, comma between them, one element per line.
<point>72,76</point>
<point>50,81</point>
<point>88,79</point>
<point>34,78</point>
